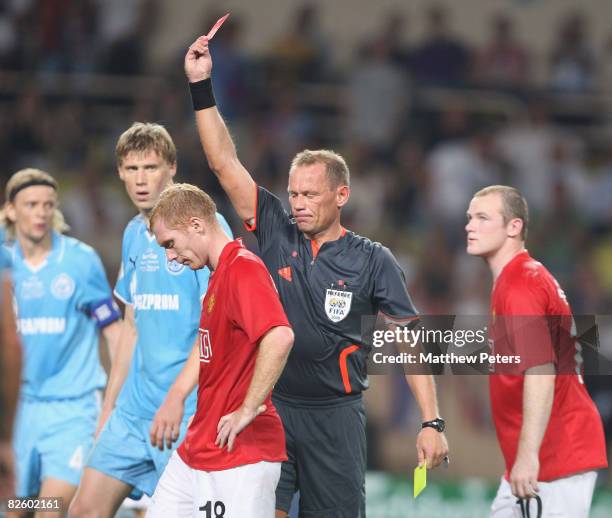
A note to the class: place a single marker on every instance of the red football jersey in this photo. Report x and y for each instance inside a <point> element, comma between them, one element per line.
<point>574,439</point>
<point>240,307</point>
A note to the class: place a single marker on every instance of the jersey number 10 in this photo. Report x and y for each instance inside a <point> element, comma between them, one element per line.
<point>218,508</point>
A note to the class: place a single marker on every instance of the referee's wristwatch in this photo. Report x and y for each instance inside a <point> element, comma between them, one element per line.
<point>437,424</point>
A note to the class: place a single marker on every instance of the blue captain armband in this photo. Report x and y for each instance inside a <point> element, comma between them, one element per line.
<point>105,312</point>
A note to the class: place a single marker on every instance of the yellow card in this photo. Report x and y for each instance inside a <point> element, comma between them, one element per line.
<point>420,479</point>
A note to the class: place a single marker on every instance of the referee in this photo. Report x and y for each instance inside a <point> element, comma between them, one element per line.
<point>327,278</point>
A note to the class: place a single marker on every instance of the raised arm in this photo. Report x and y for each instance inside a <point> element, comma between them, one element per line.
<point>218,146</point>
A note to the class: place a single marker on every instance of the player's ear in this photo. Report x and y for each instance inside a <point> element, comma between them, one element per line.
<point>515,227</point>
<point>172,168</point>
<point>197,225</point>
<point>343,193</point>
<point>9,210</point>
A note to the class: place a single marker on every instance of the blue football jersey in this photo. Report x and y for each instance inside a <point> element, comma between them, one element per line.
<point>60,303</point>
<point>166,297</point>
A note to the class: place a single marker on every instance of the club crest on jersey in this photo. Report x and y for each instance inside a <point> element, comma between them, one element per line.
<point>210,305</point>
<point>62,286</point>
<point>337,304</point>
<point>174,267</point>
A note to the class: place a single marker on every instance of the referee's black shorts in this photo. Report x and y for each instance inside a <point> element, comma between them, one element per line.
<point>326,446</point>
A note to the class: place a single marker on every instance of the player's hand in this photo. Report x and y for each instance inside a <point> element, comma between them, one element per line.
<point>104,415</point>
<point>231,425</point>
<point>166,426</point>
<point>431,447</point>
<point>198,63</point>
<point>524,475</point>
<point>7,470</point>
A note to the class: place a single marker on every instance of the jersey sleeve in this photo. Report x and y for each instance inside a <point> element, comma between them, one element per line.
<point>254,305</point>
<point>97,299</point>
<point>528,327</point>
<point>269,216</point>
<point>126,270</point>
<point>390,293</point>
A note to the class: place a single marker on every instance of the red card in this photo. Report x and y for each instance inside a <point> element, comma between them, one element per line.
<point>217,26</point>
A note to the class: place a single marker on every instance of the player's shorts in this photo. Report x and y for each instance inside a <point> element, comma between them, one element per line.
<point>124,451</point>
<point>53,439</point>
<point>326,446</point>
<point>568,497</point>
<point>136,505</point>
<point>244,491</point>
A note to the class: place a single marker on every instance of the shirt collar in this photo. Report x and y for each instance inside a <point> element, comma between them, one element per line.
<point>58,245</point>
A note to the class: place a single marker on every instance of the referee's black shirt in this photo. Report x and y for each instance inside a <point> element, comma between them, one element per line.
<point>325,293</point>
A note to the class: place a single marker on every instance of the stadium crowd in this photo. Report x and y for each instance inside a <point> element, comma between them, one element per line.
<point>423,126</point>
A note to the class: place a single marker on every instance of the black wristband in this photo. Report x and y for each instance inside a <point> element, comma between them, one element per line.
<point>202,94</point>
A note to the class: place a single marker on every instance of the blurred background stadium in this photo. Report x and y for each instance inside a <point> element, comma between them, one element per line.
<point>428,101</point>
